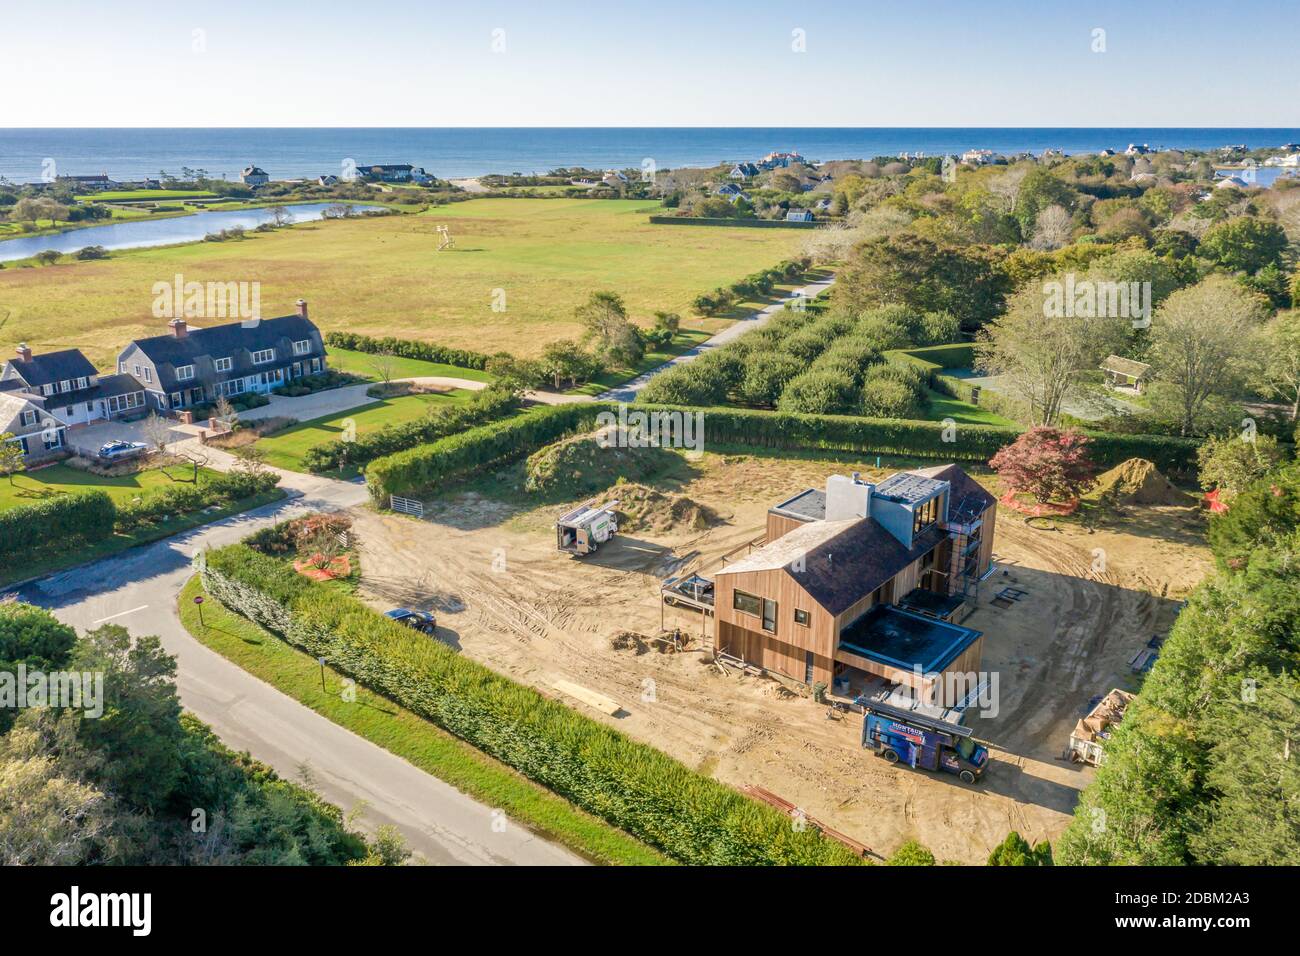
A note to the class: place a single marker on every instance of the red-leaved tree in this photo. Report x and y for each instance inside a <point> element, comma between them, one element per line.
<point>1050,464</point>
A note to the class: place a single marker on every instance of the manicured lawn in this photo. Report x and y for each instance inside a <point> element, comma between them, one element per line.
<point>126,195</point>
<point>385,275</point>
<point>963,413</point>
<point>410,737</point>
<point>285,449</point>
<point>29,487</point>
<point>362,363</point>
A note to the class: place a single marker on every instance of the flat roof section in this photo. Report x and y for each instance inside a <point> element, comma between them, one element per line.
<point>930,604</point>
<point>908,488</point>
<point>897,638</point>
<point>809,505</point>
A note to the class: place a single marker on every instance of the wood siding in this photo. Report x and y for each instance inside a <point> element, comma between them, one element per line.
<point>778,525</point>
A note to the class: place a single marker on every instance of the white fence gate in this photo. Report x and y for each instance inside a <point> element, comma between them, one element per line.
<point>407,505</point>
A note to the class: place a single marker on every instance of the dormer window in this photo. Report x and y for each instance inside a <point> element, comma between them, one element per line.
<point>184,372</point>
<point>47,389</point>
<point>83,382</point>
<point>263,356</point>
<point>223,364</point>
<point>302,348</point>
<point>65,386</point>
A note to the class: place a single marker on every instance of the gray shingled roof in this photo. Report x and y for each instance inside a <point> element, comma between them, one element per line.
<point>65,365</point>
<point>219,341</point>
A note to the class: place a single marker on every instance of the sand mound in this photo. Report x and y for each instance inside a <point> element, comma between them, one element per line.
<point>645,509</point>
<point>588,462</point>
<point>1138,482</point>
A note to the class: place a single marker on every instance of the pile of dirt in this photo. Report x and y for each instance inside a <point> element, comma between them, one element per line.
<point>644,509</point>
<point>586,463</point>
<point>1138,482</point>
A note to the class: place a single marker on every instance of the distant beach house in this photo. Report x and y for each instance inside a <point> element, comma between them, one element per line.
<point>1106,153</point>
<point>780,160</point>
<point>254,176</point>
<point>1135,150</point>
<point>1126,374</point>
<point>799,215</point>
<point>1232,182</point>
<point>614,179</point>
<point>977,157</point>
<point>729,189</point>
<point>743,171</point>
<point>188,367</point>
<point>87,183</point>
<point>327,180</point>
<point>823,205</point>
<point>394,173</point>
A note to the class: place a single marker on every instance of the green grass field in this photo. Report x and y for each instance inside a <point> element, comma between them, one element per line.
<point>285,449</point>
<point>401,732</point>
<point>31,487</point>
<point>963,413</point>
<point>362,363</point>
<point>127,195</point>
<point>384,276</point>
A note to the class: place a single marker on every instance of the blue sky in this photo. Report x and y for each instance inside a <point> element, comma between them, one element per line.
<point>865,63</point>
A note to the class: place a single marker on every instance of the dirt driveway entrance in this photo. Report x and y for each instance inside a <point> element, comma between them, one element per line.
<point>505,597</point>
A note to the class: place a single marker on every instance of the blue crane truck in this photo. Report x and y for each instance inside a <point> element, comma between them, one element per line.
<point>930,741</point>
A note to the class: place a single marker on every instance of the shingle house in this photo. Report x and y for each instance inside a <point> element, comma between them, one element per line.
<point>193,366</point>
<point>254,176</point>
<point>65,385</point>
<point>863,582</point>
<point>743,171</point>
<point>21,415</point>
<point>393,173</point>
<point>800,215</point>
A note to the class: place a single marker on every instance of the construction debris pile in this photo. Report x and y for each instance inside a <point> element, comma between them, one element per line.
<point>1092,732</point>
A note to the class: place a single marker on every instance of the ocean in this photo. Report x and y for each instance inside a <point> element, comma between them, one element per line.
<point>29,155</point>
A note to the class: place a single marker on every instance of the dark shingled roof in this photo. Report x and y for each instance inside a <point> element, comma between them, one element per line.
<point>808,505</point>
<point>219,341</point>
<point>842,568</point>
<point>53,367</point>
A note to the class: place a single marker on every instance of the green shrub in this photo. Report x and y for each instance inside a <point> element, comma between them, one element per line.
<point>407,348</point>
<point>631,785</point>
<point>186,498</point>
<point>820,392</point>
<point>54,524</point>
<point>488,405</point>
<point>885,397</point>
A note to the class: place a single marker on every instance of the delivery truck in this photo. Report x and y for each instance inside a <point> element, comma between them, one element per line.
<point>586,528</point>
<point>928,738</point>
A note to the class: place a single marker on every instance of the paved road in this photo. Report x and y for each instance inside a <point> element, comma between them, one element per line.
<point>138,590</point>
<point>627,392</point>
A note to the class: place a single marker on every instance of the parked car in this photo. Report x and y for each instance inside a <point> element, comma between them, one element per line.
<point>120,449</point>
<point>419,620</point>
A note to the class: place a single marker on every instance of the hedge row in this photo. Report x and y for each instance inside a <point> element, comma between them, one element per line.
<point>29,530</point>
<point>407,348</point>
<point>488,405</point>
<point>458,456</point>
<point>633,786</point>
<point>422,469</point>
<point>935,359</point>
<point>188,497</point>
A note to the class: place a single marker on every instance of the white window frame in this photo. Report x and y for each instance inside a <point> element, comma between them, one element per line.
<point>29,417</point>
<point>65,385</point>
<point>223,364</point>
<point>302,347</point>
<point>184,373</point>
<point>270,353</point>
<point>47,389</point>
<point>83,382</point>
<point>139,373</point>
<point>148,374</point>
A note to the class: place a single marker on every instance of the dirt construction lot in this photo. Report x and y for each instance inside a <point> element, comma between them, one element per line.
<point>487,564</point>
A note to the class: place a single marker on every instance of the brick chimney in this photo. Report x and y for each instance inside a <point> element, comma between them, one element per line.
<point>178,327</point>
<point>24,352</point>
<point>302,308</point>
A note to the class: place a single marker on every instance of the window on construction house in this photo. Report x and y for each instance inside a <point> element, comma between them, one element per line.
<point>801,617</point>
<point>769,616</point>
<point>746,602</point>
<point>925,515</point>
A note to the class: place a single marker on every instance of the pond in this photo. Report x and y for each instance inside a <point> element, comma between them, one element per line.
<point>158,232</point>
